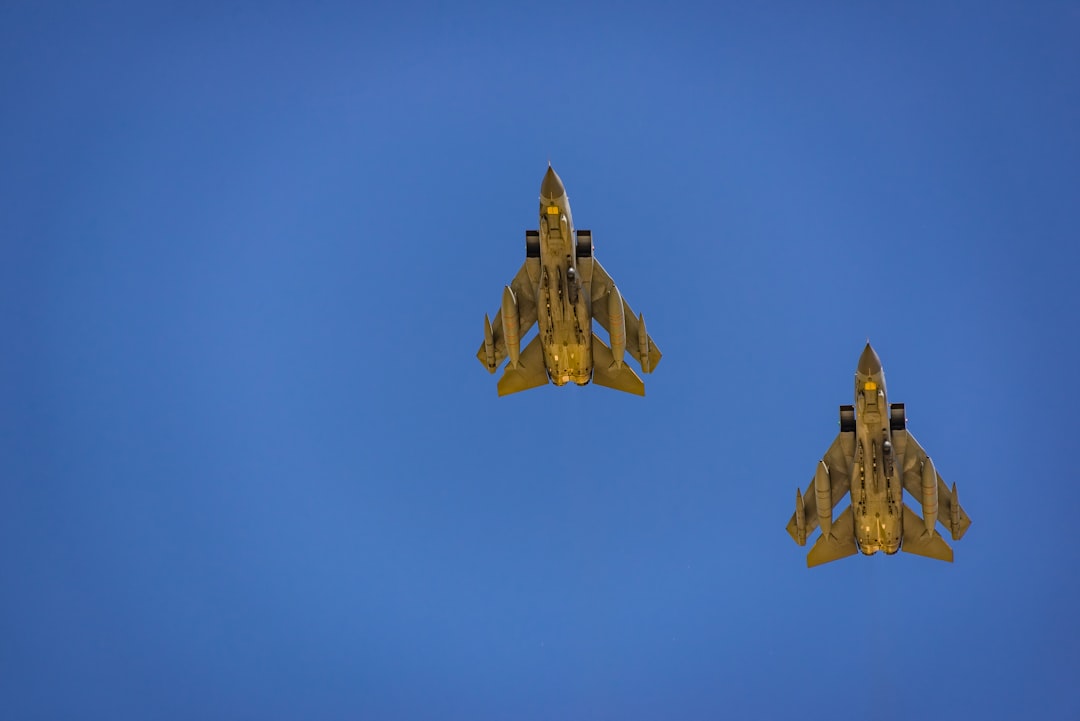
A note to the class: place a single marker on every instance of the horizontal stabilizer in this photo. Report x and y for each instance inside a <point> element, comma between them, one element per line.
<point>530,373</point>
<point>919,541</point>
<point>605,374</point>
<point>838,544</point>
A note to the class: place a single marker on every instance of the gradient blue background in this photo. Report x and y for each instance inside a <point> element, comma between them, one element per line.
<point>250,465</point>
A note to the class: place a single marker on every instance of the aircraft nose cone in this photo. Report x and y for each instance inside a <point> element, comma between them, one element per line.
<point>552,187</point>
<point>869,363</point>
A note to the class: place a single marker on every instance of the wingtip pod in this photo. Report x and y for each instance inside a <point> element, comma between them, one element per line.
<point>800,518</point>
<point>489,344</point>
<point>957,532</point>
<point>643,345</point>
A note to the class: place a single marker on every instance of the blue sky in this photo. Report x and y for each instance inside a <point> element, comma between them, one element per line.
<point>251,467</point>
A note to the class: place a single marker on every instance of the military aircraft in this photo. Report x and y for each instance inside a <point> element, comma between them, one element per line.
<point>563,288</point>
<point>873,458</point>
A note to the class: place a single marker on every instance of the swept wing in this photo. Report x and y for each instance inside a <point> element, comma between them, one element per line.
<point>914,457</point>
<point>601,284</point>
<point>838,460</point>
<point>524,288</point>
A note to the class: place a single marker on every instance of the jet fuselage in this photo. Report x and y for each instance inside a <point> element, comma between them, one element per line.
<point>563,314</point>
<point>876,478</point>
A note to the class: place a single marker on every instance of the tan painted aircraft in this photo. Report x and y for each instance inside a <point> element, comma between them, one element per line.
<point>873,458</point>
<point>562,288</point>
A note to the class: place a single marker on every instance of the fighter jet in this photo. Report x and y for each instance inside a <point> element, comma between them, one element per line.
<point>563,288</point>
<point>873,458</point>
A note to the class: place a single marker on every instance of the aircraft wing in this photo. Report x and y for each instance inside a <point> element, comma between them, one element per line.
<point>525,292</point>
<point>914,457</point>
<point>601,284</point>
<point>838,460</point>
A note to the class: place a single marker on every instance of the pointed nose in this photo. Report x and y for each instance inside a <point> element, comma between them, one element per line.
<point>552,187</point>
<point>869,363</point>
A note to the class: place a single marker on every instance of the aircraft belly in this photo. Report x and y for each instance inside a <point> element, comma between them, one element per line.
<point>877,525</point>
<point>568,359</point>
<point>875,498</point>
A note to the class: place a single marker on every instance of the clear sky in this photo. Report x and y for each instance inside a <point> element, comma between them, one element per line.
<point>250,467</point>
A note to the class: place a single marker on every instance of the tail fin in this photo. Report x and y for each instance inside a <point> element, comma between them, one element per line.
<point>605,374</point>
<point>530,373</point>
<point>921,542</point>
<point>836,545</point>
